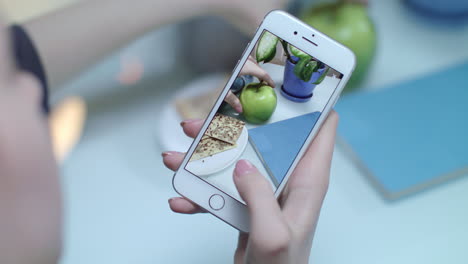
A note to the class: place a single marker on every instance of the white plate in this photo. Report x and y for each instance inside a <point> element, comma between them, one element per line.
<point>220,161</point>
<point>171,136</point>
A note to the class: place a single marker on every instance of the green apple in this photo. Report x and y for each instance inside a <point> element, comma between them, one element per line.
<point>349,24</point>
<point>258,102</point>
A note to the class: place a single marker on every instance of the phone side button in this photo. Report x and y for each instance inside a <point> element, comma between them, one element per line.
<point>216,202</point>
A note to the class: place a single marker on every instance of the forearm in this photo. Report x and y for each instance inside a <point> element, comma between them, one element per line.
<point>74,38</point>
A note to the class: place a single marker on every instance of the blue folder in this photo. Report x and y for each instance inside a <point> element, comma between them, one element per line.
<point>278,144</point>
<point>410,136</point>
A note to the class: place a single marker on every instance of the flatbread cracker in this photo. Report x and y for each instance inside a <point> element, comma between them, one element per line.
<point>225,128</point>
<point>209,146</point>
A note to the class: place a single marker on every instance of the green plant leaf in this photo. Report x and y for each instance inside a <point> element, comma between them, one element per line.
<point>297,52</point>
<point>319,65</point>
<point>299,67</point>
<point>266,48</point>
<point>285,45</point>
<point>322,77</point>
<point>308,70</point>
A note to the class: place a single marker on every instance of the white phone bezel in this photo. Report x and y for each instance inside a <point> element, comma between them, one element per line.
<point>326,50</point>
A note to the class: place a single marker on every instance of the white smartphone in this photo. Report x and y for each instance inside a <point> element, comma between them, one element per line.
<point>309,71</point>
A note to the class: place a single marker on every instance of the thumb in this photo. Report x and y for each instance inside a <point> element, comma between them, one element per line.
<point>266,220</point>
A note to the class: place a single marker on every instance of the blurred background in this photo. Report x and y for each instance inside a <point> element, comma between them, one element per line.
<point>124,114</point>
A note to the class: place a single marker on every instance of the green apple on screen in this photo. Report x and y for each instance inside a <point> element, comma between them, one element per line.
<point>258,102</point>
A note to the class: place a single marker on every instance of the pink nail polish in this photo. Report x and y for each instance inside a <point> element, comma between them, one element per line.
<point>188,121</point>
<point>168,153</point>
<point>244,167</point>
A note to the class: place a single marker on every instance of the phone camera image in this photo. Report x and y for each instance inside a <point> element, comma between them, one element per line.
<point>267,116</point>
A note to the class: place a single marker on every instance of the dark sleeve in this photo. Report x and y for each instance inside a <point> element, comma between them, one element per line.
<point>28,60</point>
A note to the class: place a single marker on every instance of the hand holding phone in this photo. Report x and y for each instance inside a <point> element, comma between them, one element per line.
<point>276,125</point>
<point>280,232</point>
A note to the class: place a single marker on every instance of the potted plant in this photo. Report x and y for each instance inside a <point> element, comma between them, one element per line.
<point>302,72</point>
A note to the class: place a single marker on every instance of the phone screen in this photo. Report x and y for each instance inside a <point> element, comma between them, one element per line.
<point>264,125</point>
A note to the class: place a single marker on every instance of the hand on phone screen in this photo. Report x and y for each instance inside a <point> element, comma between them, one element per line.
<point>281,230</point>
<point>251,68</point>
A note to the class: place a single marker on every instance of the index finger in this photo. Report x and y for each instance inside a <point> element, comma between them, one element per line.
<point>251,68</point>
<point>192,127</point>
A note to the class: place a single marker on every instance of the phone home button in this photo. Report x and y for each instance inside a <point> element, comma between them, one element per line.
<point>216,202</point>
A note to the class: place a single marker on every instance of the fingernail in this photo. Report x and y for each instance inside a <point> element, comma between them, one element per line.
<point>168,153</point>
<point>243,167</point>
<point>188,121</point>
<point>173,199</point>
<point>238,108</point>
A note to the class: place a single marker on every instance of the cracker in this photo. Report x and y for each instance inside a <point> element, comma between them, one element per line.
<point>225,128</point>
<point>209,146</point>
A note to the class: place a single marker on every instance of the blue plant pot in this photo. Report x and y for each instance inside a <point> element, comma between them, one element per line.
<point>296,89</point>
<point>455,12</point>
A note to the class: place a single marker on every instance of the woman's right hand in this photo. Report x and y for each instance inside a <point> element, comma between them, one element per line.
<point>281,230</point>
<point>251,67</point>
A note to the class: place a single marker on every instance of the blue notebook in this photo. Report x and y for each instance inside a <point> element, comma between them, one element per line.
<point>277,144</point>
<point>410,136</point>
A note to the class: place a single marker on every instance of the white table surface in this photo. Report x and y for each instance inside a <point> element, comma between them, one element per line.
<point>116,188</point>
